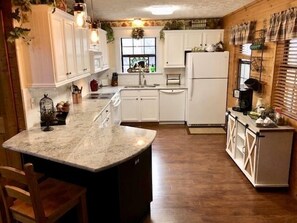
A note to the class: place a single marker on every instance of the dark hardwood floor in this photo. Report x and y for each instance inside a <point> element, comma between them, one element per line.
<point>194,180</point>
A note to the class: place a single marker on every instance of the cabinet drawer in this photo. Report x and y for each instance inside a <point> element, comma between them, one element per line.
<point>129,93</point>
<point>148,93</point>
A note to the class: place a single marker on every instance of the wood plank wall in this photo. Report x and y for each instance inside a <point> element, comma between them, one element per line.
<point>259,11</point>
<point>11,107</point>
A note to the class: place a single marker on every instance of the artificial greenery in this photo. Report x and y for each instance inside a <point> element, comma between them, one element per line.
<point>174,25</point>
<point>20,13</point>
<point>137,33</point>
<point>109,31</point>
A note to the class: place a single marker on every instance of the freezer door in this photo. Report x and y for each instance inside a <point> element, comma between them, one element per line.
<point>207,102</point>
<point>209,65</point>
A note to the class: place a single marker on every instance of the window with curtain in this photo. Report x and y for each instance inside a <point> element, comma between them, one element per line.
<point>285,83</point>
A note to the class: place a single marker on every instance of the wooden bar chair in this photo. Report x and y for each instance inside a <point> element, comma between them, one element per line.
<point>27,201</point>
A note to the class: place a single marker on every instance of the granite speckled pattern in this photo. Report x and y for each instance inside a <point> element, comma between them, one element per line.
<point>81,143</point>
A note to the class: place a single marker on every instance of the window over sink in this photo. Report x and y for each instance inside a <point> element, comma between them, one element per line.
<point>138,54</point>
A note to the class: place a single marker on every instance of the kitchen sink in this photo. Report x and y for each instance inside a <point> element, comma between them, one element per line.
<point>140,86</point>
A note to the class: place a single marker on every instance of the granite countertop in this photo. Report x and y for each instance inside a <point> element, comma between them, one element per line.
<point>81,143</point>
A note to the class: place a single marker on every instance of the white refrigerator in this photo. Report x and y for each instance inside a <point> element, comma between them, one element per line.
<point>207,76</point>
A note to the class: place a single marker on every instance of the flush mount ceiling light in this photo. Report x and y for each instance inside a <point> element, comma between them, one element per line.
<point>162,9</point>
<point>80,13</point>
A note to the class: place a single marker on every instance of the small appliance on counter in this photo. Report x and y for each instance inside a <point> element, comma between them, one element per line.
<point>94,85</point>
<point>245,99</point>
<point>114,79</point>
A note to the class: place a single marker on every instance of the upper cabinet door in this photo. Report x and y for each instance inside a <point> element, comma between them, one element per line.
<point>174,55</point>
<point>193,38</point>
<point>70,48</point>
<point>212,36</point>
<point>58,48</point>
<point>85,50</point>
<point>82,51</point>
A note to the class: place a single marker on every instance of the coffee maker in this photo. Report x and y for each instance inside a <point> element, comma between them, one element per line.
<point>245,99</point>
<point>114,79</point>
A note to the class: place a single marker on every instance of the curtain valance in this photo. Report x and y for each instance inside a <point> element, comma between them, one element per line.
<point>242,33</point>
<point>282,26</point>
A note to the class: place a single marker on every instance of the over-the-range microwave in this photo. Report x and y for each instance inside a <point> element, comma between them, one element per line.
<point>96,61</point>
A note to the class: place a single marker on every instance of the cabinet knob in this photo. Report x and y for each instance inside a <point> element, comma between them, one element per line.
<point>136,98</point>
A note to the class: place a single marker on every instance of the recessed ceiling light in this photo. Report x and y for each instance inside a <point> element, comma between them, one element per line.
<point>162,9</point>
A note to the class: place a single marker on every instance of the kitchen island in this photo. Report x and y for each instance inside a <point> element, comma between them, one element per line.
<point>113,163</point>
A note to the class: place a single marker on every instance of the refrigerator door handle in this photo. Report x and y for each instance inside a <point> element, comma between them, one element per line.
<point>191,89</point>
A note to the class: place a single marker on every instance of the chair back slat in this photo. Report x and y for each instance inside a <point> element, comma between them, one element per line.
<point>18,193</point>
<point>13,174</point>
<point>21,185</point>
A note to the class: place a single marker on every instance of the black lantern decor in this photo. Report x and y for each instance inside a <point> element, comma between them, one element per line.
<point>47,112</point>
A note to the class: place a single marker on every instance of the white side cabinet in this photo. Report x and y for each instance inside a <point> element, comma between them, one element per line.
<point>262,154</point>
<point>51,58</point>
<point>140,105</point>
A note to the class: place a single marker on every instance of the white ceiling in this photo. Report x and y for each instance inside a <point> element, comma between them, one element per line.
<point>129,9</point>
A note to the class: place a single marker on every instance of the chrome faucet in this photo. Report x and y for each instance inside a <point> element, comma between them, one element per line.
<point>139,76</point>
<point>141,73</point>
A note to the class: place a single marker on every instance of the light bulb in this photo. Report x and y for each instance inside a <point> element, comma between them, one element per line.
<point>80,19</point>
<point>94,36</point>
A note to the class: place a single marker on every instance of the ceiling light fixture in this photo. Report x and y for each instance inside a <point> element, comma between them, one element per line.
<point>94,36</point>
<point>80,13</point>
<point>137,23</point>
<point>162,9</point>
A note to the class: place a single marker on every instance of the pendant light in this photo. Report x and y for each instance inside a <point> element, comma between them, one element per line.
<point>94,32</point>
<point>80,13</point>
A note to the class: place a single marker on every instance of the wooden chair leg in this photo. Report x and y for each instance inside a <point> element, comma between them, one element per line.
<point>82,209</point>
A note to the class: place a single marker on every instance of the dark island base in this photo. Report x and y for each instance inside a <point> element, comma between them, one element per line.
<point>119,194</point>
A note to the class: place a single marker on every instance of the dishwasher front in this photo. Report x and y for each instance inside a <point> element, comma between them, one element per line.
<point>172,105</point>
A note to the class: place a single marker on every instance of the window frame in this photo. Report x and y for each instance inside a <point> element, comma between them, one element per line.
<point>137,55</point>
<point>284,95</point>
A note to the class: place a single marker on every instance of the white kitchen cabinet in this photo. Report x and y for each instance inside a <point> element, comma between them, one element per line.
<point>104,119</point>
<point>82,51</point>
<point>174,53</point>
<point>172,105</point>
<point>212,36</point>
<point>202,38</point>
<point>193,38</point>
<point>262,154</point>
<point>103,49</point>
<point>140,105</point>
<point>179,41</point>
<point>50,59</point>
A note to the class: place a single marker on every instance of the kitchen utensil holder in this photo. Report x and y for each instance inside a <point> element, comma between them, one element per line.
<point>76,98</point>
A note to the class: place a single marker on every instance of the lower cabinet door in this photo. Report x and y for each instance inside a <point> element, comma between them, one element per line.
<point>231,136</point>
<point>130,109</point>
<point>149,109</point>
<point>250,157</point>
